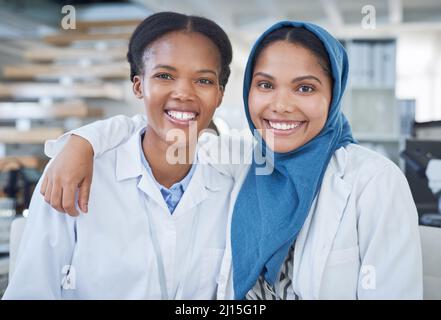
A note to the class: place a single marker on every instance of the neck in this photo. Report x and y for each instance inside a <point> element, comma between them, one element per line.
<point>155,151</point>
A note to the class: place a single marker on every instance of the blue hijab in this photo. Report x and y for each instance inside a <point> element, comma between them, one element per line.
<point>270,209</point>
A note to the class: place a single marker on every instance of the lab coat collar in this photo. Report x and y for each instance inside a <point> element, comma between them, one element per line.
<point>128,158</point>
<point>129,165</point>
<point>195,193</point>
<point>205,179</point>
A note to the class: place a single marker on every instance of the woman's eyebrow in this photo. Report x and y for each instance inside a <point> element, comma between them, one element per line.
<point>298,79</point>
<point>164,66</point>
<point>207,71</point>
<point>263,74</point>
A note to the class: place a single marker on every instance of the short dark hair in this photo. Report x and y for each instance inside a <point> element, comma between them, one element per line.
<point>159,24</point>
<point>301,37</point>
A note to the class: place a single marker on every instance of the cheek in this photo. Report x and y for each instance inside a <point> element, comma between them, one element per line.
<point>155,96</point>
<point>256,105</point>
<point>152,92</point>
<point>209,98</point>
<point>316,110</point>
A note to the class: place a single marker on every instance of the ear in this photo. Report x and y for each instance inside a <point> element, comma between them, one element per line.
<point>137,86</point>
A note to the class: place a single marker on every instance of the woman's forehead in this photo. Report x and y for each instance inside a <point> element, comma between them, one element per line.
<point>183,47</point>
<point>184,42</point>
<point>283,54</point>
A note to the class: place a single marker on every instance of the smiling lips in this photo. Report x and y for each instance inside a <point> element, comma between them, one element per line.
<point>181,117</point>
<point>283,126</point>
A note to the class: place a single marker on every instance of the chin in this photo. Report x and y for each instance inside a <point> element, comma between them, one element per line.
<point>280,146</point>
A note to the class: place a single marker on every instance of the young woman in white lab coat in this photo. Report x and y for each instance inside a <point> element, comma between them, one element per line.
<point>333,220</point>
<point>148,235</point>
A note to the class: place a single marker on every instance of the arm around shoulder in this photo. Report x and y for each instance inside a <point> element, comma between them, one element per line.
<point>102,135</point>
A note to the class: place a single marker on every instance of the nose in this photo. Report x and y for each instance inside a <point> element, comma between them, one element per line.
<point>283,102</point>
<point>183,90</point>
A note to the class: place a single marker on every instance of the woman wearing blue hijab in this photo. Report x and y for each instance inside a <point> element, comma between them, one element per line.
<point>332,220</point>
<point>293,87</point>
<point>301,153</point>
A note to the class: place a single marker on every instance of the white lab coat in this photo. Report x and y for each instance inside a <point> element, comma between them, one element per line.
<point>110,251</point>
<point>360,240</point>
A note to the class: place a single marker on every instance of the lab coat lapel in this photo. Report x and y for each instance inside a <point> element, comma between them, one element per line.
<point>195,193</point>
<point>129,166</point>
<point>316,238</point>
<point>151,190</point>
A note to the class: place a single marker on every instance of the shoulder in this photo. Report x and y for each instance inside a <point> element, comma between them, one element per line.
<point>126,155</point>
<point>374,186</point>
<point>358,165</point>
<point>105,163</point>
<point>234,144</point>
<point>229,154</point>
<point>108,165</point>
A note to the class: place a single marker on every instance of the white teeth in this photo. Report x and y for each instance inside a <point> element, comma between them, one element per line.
<point>181,115</point>
<point>284,126</point>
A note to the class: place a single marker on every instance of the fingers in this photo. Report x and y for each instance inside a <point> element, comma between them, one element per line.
<point>68,201</point>
<point>83,195</point>
<point>48,192</point>
<point>44,185</point>
<point>61,198</point>
<point>56,195</point>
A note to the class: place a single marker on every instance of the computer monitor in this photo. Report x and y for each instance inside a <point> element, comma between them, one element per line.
<point>417,154</point>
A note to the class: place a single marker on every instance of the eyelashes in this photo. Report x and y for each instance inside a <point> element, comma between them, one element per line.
<point>309,89</point>
<point>303,88</point>
<point>205,81</point>
<point>163,76</point>
<point>169,77</point>
<point>265,85</point>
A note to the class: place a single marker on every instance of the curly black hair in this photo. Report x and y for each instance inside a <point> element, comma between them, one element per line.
<point>159,24</point>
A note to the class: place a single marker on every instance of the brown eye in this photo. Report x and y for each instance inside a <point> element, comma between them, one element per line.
<point>205,81</point>
<point>164,76</point>
<point>265,85</point>
<point>306,89</point>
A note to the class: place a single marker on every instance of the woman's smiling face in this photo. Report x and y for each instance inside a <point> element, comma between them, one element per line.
<point>289,96</point>
<point>180,83</point>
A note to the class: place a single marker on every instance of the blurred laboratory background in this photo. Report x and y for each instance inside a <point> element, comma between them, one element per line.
<point>54,79</point>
